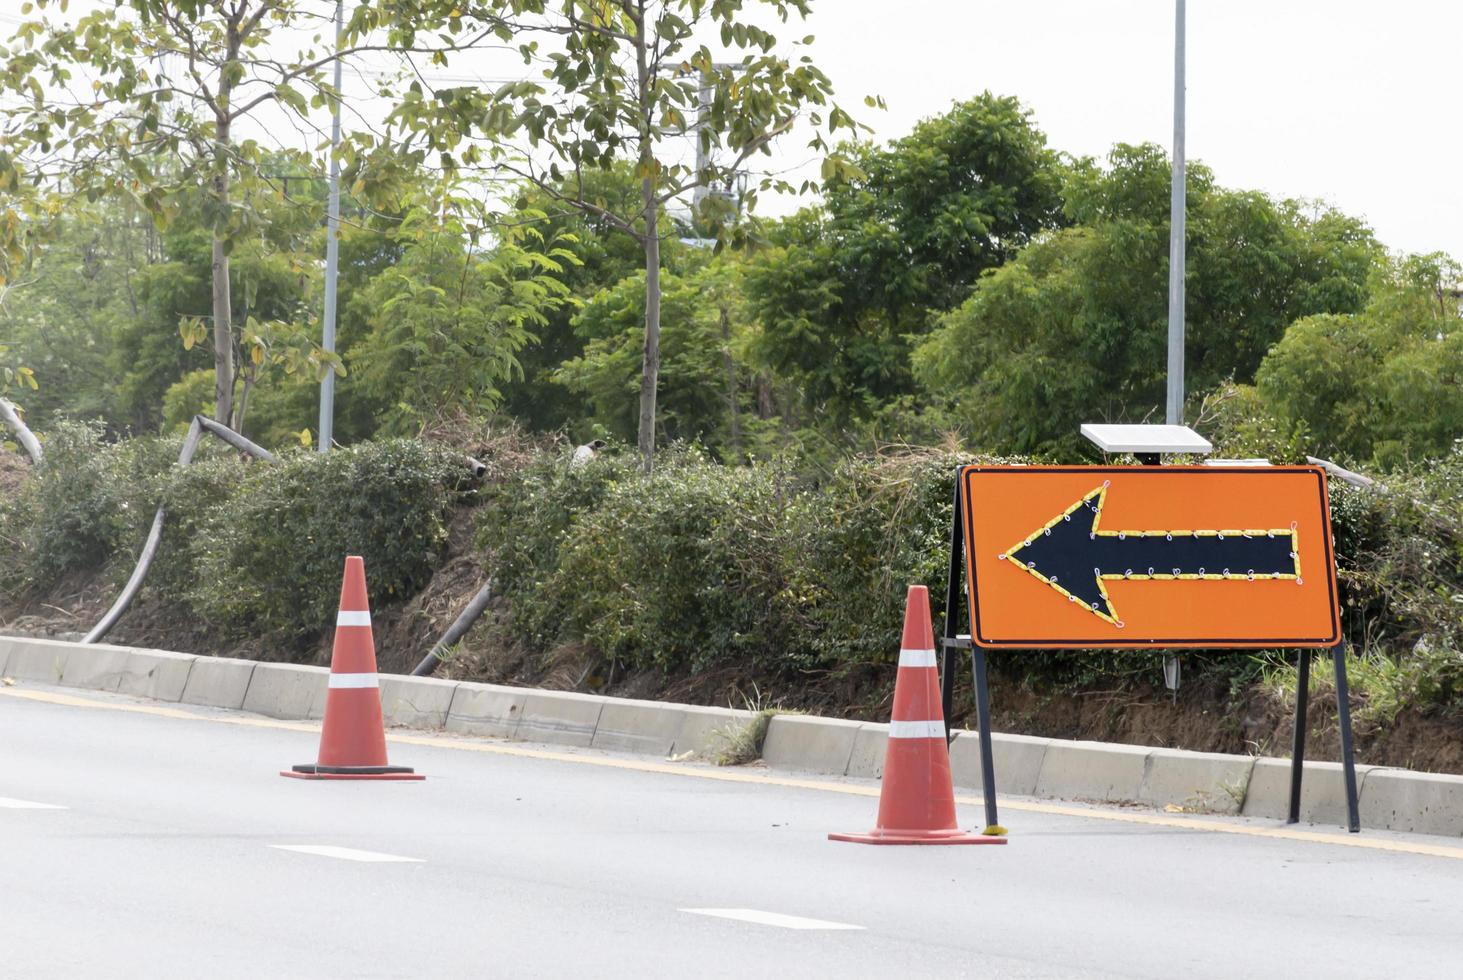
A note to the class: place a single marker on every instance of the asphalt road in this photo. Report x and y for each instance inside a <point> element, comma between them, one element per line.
<point>167,857</point>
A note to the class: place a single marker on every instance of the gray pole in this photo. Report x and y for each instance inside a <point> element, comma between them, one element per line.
<point>332,248</point>
<point>1175,414</point>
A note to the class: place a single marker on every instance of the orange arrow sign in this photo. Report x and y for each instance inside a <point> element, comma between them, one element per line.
<point>1149,557</point>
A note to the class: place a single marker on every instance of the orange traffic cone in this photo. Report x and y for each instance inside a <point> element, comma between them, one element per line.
<point>917,799</point>
<point>353,739</point>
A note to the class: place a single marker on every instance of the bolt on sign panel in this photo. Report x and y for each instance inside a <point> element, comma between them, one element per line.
<point>1133,557</point>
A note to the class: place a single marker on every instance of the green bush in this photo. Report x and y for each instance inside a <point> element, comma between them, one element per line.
<point>778,572</point>
<point>1400,551</point>
<point>87,504</point>
<point>679,569</point>
<point>701,564</point>
<point>777,569</point>
<point>249,548</point>
<point>269,562</point>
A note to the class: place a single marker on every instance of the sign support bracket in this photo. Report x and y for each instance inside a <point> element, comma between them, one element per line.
<point>953,641</point>
<point>1343,720</point>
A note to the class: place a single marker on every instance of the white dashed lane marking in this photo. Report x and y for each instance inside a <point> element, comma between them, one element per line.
<point>6,803</point>
<point>772,919</point>
<point>346,853</point>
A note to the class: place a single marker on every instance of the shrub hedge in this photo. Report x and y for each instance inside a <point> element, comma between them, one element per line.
<point>250,549</point>
<point>771,568</point>
<point>700,564</point>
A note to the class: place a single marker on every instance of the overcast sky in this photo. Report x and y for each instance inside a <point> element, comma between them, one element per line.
<point>1357,104</point>
<point>1360,104</point>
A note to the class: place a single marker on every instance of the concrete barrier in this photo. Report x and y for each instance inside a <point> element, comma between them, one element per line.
<point>706,732</point>
<point>870,745</point>
<point>38,660</point>
<point>416,702</point>
<point>486,709</point>
<point>810,744</point>
<point>1092,771</point>
<point>290,691</point>
<point>218,682</point>
<point>561,717</point>
<point>644,727</point>
<point>1322,795</point>
<point>97,667</point>
<point>1390,798</point>
<point>1200,782</point>
<point>155,674</point>
<point>1016,758</point>
<point>1416,802</point>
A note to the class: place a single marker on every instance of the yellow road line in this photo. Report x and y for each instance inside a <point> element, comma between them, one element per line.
<point>767,779</point>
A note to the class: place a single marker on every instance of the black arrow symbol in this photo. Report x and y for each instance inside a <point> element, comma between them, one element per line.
<point>1075,556</point>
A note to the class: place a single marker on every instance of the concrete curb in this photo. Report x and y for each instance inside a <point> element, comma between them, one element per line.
<point>217,682</point>
<point>1017,760</point>
<point>1322,794</point>
<point>1092,771</point>
<point>416,702</point>
<point>1416,802</point>
<point>810,744</point>
<point>156,674</point>
<point>486,709</point>
<point>289,691</point>
<point>1391,799</point>
<point>644,727</point>
<point>1203,782</point>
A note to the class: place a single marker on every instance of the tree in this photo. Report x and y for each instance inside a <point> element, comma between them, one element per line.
<point>63,314</point>
<point>449,319</point>
<point>846,285</point>
<point>1384,385</point>
<point>1074,328</point>
<point>627,79</point>
<point>708,389</point>
<point>172,84</point>
<point>604,257</point>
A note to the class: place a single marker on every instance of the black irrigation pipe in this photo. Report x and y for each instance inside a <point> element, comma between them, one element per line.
<point>456,631</point>
<point>201,424</point>
<point>27,437</point>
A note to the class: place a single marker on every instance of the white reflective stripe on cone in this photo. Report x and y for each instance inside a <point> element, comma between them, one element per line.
<point>916,658</point>
<point>355,680</point>
<point>353,617</point>
<point>916,729</point>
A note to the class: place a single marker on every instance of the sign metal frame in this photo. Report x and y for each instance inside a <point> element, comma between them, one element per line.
<point>959,635</point>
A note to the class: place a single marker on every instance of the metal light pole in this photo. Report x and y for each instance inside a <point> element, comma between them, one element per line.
<point>1175,413</point>
<point>332,247</point>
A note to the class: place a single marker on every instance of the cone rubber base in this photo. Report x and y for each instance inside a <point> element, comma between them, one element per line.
<point>351,772</point>
<point>918,837</point>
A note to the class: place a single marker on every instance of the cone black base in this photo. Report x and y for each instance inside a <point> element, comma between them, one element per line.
<point>875,837</point>
<point>312,771</point>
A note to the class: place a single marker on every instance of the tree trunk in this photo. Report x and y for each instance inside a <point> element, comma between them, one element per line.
<point>223,334</point>
<point>731,384</point>
<point>650,362</point>
<point>223,307</point>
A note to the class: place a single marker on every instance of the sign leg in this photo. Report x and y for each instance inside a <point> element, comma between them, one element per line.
<point>983,719</point>
<point>952,605</point>
<point>1348,757</point>
<point>1298,744</point>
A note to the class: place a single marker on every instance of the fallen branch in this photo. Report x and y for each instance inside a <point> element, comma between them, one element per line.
<point>1342,473</point>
